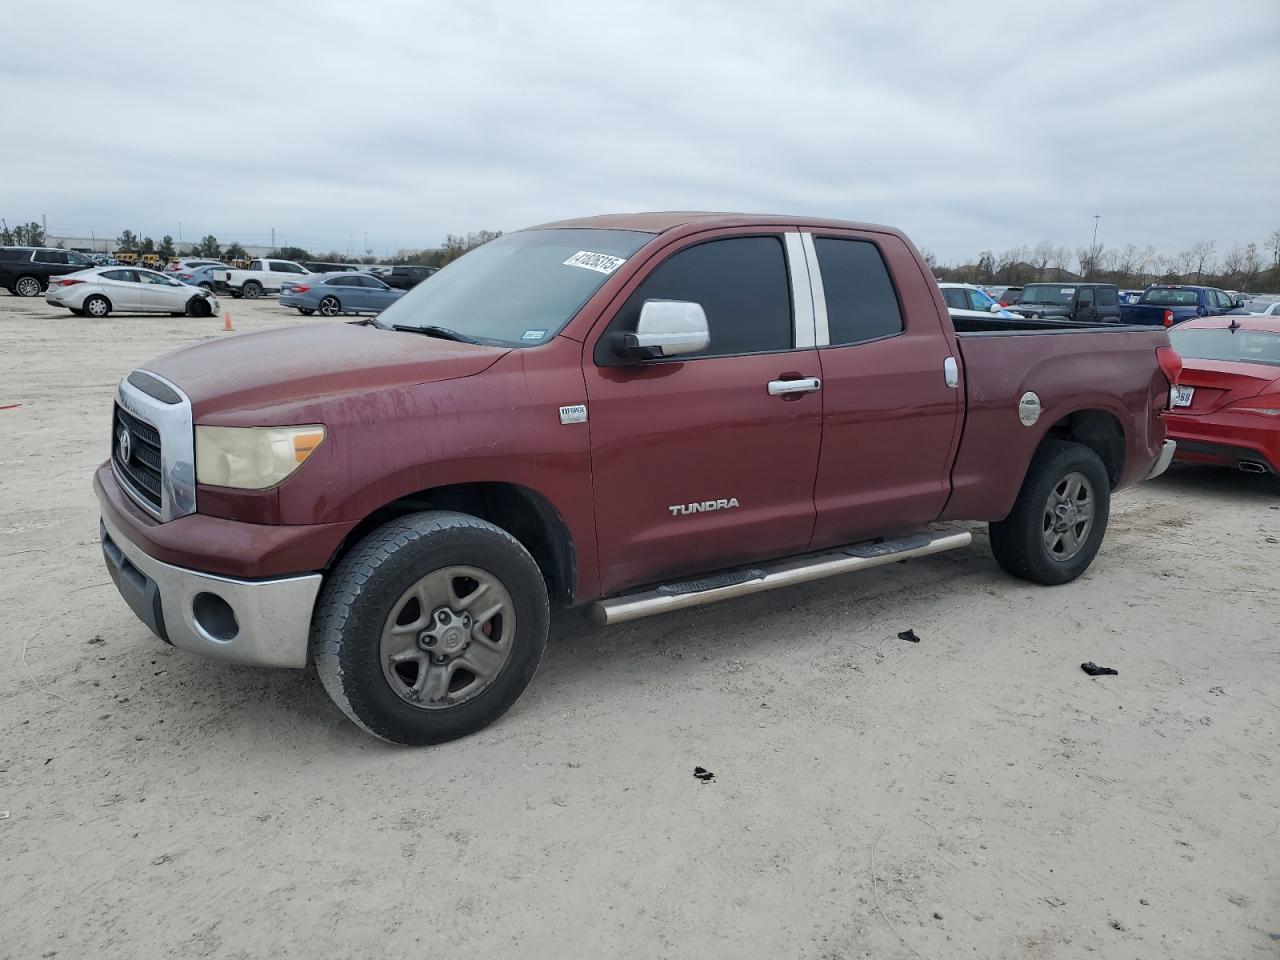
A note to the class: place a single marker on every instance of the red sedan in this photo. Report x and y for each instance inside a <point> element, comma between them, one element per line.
<point>1226,406</point>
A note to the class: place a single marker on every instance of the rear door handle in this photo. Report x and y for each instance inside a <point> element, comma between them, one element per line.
<point>781,388</point>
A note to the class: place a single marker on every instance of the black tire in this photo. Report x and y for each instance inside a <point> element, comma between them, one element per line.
<point>330,307</point>
<point>97,306</point>
<point>251,290</point>
<point>360,595</point>
<point>28,286</point>
<point>197,307</point>
<point>305,311</point>
<point>1019,541</point>
<point>205,285</point>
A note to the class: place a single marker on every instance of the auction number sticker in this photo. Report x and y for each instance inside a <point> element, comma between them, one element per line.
<point>599,262</point>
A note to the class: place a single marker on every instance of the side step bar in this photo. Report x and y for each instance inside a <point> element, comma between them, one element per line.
<point>784,573</point>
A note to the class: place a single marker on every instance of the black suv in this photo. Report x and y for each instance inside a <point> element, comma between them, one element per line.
<point>1096,302</point>
<point>25,271</point>
<point>407,277</point>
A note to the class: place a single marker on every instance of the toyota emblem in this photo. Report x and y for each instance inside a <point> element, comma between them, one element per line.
<point>124,445</point>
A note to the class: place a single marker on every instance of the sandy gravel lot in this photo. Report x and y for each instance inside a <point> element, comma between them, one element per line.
<point>973,795</point>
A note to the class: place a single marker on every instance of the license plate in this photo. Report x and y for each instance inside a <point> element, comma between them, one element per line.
<point>1181,396</point>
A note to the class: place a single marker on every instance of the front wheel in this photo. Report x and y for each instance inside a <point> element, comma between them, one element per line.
<point>197,307</point>
<point>430,628</point>
<point>1059,519</point>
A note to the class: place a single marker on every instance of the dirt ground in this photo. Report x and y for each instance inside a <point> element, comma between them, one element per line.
<point>973,795</point>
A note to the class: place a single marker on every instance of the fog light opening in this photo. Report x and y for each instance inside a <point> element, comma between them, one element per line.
<point>214,616</point>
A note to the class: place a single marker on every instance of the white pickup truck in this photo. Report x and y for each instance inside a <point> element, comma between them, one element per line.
<point>263,276</point>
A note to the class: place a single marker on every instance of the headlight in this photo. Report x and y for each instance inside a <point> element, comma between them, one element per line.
<point>253,458</point>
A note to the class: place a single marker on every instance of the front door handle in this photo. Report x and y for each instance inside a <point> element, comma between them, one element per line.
<point>782,388</point>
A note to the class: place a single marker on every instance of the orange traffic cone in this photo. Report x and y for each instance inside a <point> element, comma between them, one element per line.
<point>226,322</point>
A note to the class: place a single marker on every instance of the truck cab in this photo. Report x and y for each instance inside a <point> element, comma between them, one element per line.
<point>1087,302</point>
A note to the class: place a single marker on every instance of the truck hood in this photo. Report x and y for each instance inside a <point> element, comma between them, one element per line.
<point>314,360</point>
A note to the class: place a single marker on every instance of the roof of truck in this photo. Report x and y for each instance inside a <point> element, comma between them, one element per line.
<point>662,221</point>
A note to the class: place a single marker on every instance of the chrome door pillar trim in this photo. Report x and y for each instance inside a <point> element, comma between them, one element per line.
<point>821,332</point>
<point>801,294</point>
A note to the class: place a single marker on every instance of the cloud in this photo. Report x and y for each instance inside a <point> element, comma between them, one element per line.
<point>969,126</point>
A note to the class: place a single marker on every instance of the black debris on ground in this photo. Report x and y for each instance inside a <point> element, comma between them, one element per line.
<point>96,638</point>
<point>1093,670</point>
<point>909,636</point>
<point>703,774</point>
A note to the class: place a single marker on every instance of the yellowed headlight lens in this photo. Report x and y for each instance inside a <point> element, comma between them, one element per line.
<point>253,458</point>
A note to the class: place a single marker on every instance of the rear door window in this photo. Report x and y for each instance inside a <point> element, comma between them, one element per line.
<point>1085,297</point>
<point>862,304</point>
<point>1108,297</point>
<point>742,285</point>
<point>956,300</point>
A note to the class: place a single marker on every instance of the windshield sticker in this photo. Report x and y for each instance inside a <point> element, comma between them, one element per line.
<point>599,262</point>
<point>1067,290</point>
<point>533,335</point>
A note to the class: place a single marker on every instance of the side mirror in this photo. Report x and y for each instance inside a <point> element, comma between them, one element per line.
<point>1239,303</point>
<point>995,308</point>
<point>667,328</point>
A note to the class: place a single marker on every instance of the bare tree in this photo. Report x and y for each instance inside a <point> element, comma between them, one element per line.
<point>1202,256</point>
<point>1233,266</point>
<point>1252,264</point>
<point>1061,261</point>
<point>1041,257</point>
<point>1273,244</point>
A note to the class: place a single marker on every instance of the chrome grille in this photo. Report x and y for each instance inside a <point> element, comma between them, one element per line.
<point>141,472</point>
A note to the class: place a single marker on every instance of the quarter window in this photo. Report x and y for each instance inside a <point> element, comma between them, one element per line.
<point>742,286</point>
<point>50,256</point>
<point>862,304</point>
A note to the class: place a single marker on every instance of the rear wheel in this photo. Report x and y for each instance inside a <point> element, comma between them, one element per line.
<point>330,307</point>
<point>97,306</point>
<point>1060,517</point>
<point>252,290</point>
<point>431,627</point>
<point>27,287</point>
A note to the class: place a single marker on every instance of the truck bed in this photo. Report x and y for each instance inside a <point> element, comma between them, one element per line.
<point>1070,366</point>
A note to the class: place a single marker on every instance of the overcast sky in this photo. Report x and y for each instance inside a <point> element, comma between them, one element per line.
<point>970,126</point>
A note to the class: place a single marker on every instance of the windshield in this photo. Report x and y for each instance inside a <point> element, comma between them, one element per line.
<point>1047,293</point>
<point>1165,297</point>
<point>518,290</point>
<point>1243,346</point>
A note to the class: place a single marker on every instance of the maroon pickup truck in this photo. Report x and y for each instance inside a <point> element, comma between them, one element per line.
<point>641,412</point>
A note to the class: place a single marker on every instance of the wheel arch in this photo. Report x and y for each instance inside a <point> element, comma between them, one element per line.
<point>519,510</point>
<point>1099,430</point>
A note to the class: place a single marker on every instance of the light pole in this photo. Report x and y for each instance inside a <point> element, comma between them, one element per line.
<point>1096,218</point>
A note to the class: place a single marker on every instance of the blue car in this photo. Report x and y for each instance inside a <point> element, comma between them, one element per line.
<point>199,276</point>
<point>334,294</point>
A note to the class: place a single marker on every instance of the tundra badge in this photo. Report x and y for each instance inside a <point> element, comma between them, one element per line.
<point>577,413</point>
<point>706,506</point>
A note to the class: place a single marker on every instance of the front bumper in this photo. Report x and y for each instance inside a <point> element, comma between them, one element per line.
<point>263,623</point>
<point>1162,462</point>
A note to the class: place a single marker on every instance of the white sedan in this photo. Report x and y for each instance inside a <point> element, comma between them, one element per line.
<point>99,291</point>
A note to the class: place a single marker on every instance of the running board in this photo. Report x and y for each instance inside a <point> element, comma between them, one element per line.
<point>785,573</point>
